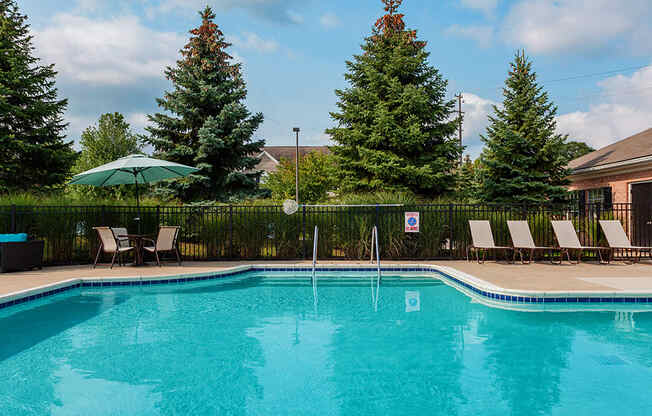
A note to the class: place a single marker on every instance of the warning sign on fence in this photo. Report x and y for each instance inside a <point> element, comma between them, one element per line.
<point>411,222</point>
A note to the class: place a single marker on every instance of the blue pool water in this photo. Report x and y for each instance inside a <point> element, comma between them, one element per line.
<point>256,345</point>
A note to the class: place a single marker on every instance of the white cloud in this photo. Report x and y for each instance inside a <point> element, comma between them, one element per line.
<point>483,35</point>
<point>109,52</point>
<point>252,41</point>
<point>137,121</point>
<point>486,6</point>
<point>545,26</point>
<point>329,20</point>
<point>294,17</point>
<point>476,112</point>
<point>275,10</point>
<point>625,108</point>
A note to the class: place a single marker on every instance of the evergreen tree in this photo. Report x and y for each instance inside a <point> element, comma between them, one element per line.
<point>395,127</point>
<point>34,154</point>
<point>207,124</point>
<point>109,140</point>
<point>524,158</point>
<point>467,182</point>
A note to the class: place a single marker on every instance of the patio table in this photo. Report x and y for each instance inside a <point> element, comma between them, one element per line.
<point>138,240</point>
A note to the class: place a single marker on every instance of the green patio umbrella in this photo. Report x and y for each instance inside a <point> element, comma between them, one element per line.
<point>132,169</point>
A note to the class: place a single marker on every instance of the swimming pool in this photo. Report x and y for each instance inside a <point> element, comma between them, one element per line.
<point>265,343</point>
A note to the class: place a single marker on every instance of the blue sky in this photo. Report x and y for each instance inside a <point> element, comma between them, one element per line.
<point>592,56</point>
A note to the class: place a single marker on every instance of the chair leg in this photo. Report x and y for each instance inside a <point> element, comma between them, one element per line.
<point>97,257</point>
<point>176,250</point>
<point>113,259</point>
<point>158,261</point>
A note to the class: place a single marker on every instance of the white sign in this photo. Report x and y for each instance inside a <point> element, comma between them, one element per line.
<point>411,222</point>
<point>412,301</point>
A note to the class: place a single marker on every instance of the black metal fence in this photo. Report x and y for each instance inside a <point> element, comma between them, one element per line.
<point>266,232</point>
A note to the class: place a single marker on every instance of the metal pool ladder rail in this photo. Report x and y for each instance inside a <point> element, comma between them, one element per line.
<point>374,242</point>
<point>314,255</point>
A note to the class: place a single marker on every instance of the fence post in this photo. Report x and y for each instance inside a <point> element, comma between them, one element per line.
<point>158,216</point>
<point>230,231</point>
<point>13,219</point>
<point>450,229</point>
<point>303,220</point>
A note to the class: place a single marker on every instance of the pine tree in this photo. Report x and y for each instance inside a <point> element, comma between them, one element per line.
<point>524,158</point>
<point>467,182</point>
<point>207,124</point>
<point>32,130</point>
<point>395,127</point>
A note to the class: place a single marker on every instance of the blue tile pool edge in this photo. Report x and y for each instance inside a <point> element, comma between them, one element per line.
<point>466,283</point>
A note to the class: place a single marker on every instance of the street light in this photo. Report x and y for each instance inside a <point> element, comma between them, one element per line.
<point>296,167</point>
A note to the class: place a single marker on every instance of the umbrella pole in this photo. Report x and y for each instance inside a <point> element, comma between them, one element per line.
<point>137,201</point>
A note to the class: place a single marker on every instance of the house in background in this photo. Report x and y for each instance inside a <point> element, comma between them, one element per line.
<point>270,157</point>
<point>620,173</point>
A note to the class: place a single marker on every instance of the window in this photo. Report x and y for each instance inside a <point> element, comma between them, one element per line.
<point>599,196</point>
<point>595,196</point>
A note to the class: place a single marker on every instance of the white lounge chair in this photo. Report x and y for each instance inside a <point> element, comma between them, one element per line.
<point>165,242</point>
<point>483,240</point>
<point>523,241</point>
<point>567,239</point>
<point>618,240</point>
<point>109,244</point>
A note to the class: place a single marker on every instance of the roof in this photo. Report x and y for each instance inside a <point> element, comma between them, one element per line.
<point>627,150</point>
<point>289,152</point>
<point>271,156</point>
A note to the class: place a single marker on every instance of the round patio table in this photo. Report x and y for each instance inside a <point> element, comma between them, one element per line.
<point>138,242</point>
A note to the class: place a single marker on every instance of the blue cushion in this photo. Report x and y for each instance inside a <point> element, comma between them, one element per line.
<point>13,238</point>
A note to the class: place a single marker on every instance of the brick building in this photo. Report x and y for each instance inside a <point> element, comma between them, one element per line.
<point>618,173</point>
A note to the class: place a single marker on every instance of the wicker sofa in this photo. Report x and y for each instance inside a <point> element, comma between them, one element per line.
<point>18,253</point>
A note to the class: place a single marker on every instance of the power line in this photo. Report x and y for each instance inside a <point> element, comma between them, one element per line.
<point>596,74</point>
<point>499,88</point>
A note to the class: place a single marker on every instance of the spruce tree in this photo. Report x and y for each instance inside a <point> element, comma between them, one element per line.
<point>467,182</point>
<point>206,123</point>
<point>395,128</point>
<point>34,153</point>
<point>524,158</point>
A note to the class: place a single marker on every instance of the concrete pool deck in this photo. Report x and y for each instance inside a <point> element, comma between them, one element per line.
<point>538,277</point>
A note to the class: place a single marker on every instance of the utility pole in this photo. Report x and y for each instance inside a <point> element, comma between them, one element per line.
<point>296,167</point>
<point>460,113</point>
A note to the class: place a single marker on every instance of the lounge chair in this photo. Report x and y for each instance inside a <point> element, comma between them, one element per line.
<point>109,244</point>
<point>165,242</point>
<point>522,240</point>
<point>567,239</point>
<point>120,235</point>
<point>483,240</point>
<point>618,240</point>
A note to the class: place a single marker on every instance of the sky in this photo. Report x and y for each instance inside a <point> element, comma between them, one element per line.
<point>594,57</point>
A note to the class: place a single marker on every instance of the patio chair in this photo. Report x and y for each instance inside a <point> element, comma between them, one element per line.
<point>483,240</point>
<point>109,244</point>
<point>165,242</point>
<point>522,240</point>
<point>121,231</point>
<point>618,240</point>
<point>567,239</point>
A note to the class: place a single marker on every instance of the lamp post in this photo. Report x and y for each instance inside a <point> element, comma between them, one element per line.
<point>296,167</point>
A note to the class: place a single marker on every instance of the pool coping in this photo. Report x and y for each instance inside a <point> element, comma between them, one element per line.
<point>477,288</point>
